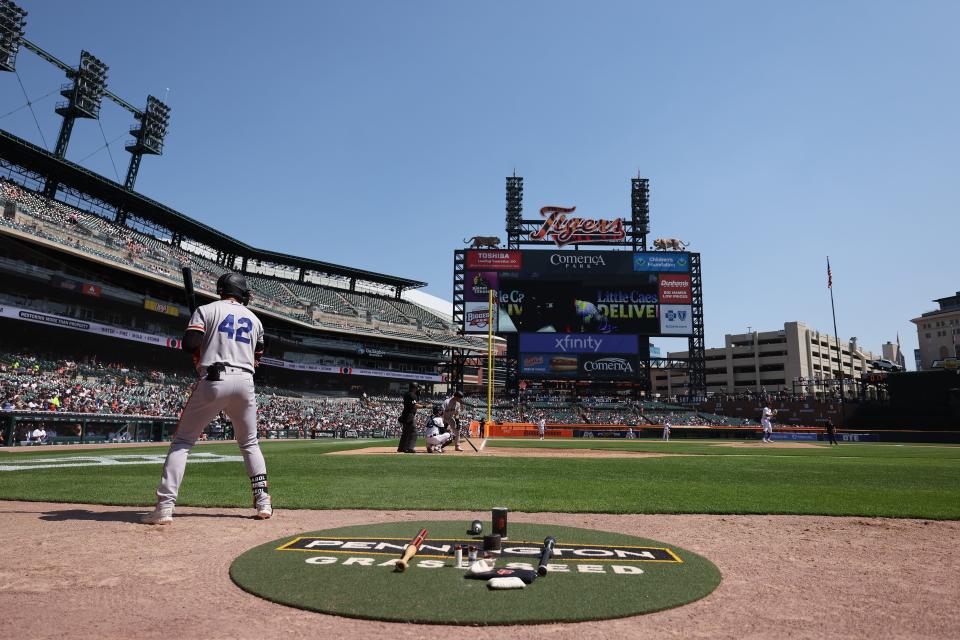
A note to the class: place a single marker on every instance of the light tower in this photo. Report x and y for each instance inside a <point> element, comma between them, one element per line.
<point>12,23</point>
<point>148,136</point>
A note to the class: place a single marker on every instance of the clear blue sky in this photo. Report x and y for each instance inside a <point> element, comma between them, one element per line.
<point>378,134</point>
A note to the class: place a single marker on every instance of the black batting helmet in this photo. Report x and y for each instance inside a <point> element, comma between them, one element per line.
<point>233,284</point>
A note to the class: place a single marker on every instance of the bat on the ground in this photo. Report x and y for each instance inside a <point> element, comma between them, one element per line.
<point>410,550</point>
<point>188,289</point>
<point>465,433</point>
<point>545,554</point>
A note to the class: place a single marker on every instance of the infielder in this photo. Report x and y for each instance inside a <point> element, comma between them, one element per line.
<point>226,340</point>
<point>451,411</point>
<point>766,424</point>
<point>436,441</point>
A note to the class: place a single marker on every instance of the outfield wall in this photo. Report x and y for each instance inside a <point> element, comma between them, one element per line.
<point>790,433</point>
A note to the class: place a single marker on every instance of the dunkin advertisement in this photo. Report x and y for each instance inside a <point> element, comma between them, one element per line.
<point>675,289</point>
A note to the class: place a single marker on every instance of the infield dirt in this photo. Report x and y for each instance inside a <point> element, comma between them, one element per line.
<point>86,571</point>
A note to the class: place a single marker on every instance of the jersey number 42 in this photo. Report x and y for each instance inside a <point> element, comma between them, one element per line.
<point>236,329</point>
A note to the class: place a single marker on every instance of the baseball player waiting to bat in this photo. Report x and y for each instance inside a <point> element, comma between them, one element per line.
<point>766,424</point>
<point>226,340</point>
<point>451,413</point>
<point>436,440</point>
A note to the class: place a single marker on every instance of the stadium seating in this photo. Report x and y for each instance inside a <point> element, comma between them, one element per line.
<point>79,230</point>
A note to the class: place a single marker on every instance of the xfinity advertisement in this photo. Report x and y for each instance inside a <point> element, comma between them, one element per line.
<point>569,343</point>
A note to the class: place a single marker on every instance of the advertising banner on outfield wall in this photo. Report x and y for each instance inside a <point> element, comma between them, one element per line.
<point>349,371</point>
<point>676,319</point>
<point>494,260</point>
<point>577,343</point>
<point>52,320</point>
<point>549,264</point>
<point>477,285</point>
<point>661,261</point>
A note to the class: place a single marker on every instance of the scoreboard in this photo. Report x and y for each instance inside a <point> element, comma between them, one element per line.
<point>580,314</point>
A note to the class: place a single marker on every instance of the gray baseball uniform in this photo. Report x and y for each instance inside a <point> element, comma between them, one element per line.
<point>451,410</point>
<point>231,333</point>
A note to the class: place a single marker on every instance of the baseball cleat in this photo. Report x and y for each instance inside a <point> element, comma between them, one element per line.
<point>158,516</point>
<point>264,508</point>
<point>458,448</point>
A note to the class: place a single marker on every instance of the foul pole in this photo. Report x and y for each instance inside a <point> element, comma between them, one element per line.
<point>490,359</point>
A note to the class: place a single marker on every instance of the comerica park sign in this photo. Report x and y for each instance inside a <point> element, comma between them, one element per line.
<point>563,229</point>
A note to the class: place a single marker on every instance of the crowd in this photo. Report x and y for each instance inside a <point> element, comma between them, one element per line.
<point>35,383</point>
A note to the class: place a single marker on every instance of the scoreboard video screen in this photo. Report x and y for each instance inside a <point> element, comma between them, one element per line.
<point>602,292</point>
<point>579,314</point>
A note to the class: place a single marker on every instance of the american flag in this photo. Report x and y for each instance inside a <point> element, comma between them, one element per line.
<point>829,275</point>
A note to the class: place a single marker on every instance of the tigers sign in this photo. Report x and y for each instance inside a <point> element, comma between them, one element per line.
<point>563,229</point>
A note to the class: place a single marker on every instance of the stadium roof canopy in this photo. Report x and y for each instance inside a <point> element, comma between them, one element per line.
<point>38,160</point>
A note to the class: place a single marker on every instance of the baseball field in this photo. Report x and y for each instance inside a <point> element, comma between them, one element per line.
<point>857,540</point>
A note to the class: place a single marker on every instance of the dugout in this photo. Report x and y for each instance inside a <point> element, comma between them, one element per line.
<point>84,428</point>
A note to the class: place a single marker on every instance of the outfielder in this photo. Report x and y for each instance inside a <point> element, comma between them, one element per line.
<point>451,412</point>
<point>766,424</point>
<point>226,340</point>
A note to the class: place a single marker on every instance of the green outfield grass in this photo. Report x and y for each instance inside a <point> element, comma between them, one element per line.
<point>920,481</point>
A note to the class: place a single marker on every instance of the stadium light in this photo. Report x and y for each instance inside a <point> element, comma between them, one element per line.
<point>514,209</point>
<point>640,208</point>
<point>12,24</point>
<point>84,97</point>
<point>148,137</point>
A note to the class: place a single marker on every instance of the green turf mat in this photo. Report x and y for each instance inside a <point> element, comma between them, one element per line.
<point>631,576</point>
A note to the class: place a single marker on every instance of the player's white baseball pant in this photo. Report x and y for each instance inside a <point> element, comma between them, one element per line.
<point>234,395</point>
<point>767,429</point>
<point>439,440</point>
<point>452,424</point>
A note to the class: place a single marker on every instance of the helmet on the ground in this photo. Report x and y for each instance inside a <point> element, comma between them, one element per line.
<point>233,284</point>
<point>476,528</point>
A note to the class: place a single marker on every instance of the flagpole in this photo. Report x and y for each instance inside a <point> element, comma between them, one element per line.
<point>836,337</point>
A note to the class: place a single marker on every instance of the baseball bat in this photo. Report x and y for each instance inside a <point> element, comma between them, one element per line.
<point>411,550</point>
<point>188,289</point>
<point>465,434</point>
<point>548,543</point>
